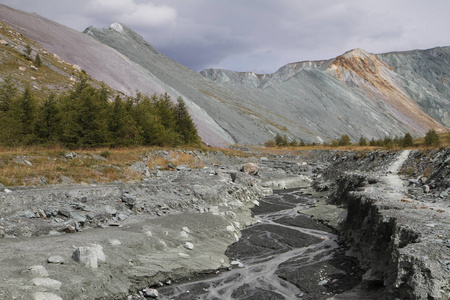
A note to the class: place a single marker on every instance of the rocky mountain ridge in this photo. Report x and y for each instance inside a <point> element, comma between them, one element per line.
<point>314,101</point>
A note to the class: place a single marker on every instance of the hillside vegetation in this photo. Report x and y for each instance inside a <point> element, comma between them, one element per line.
<point>84,117</point>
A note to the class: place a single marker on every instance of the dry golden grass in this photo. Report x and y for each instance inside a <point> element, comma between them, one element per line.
<point>50,166</point>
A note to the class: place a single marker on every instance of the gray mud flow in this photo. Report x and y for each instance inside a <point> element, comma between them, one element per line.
<point>286,255</point>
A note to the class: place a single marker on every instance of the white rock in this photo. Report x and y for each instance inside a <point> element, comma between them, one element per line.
<point>152,293</point>
<point>186,229</point>
<point>322,282</point>
<point>46,296</point>
<point>231,228</point>
<point>114,242</point>
<point>236,263</point>
<point>38,271</point>
<point>184,255</point>
<point>77,67</point>
<point>47,283</point>
<point>55,259</point>
<point>189,246</point>
<point>89,256</point>
<point>184,235</point>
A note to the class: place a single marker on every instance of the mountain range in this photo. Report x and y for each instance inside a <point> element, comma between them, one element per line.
<point>357,93</point>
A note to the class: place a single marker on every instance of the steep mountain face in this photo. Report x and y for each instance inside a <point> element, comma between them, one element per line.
<point>395,92</point>
<point>358,93</point>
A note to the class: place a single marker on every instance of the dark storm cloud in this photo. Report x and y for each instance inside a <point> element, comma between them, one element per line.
<point>260,35</point>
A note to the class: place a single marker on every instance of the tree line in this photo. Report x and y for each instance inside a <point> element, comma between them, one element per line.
<point>431,139</point>
<point>85,117</point>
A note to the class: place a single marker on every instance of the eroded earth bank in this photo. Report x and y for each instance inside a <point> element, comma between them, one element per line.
<point>386,212</point>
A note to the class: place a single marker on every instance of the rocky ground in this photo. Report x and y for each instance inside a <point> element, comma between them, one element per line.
<point>115,240</point>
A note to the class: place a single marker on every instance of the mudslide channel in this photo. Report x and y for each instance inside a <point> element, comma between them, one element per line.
<point>286,255</point>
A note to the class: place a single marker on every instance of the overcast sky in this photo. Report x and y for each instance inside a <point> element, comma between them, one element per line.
<point>260,35</point>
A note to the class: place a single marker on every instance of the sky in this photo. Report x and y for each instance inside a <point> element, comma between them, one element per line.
<point>259,35</point>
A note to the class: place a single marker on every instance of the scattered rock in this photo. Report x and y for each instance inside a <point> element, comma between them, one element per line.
<point>184,235</point>
<point>152,293</point>
<point>55,259</point>
<point>236,263</point>
<point>64,213</point>
<point>110,211</point>
<point>68,229</point>
<point>114,242</point>
<point>47,283</point>
<point>78,218</point>
<point>27,214</point>
<point>42,214</point>
<point>46,296</point>
<point>38,271</point>
<point>250,168</point>
<point>122,217</point>
<point>89,256</point>
<point>70,155</point>
<point>128,199</point>
<point>189,246</point>
<point>141,168</point>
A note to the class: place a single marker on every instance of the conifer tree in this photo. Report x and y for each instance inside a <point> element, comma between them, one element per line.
<point>407,140</point>
<point>278,139</point>
<point>362,141</point>
<point>344,140</point>
<point>432,138</point>
<point>185,126</point>
<point>38,60</point>
<point>122,127</point>
<point>25,115</point>
<point>48,125</point>
<point>7,93</point>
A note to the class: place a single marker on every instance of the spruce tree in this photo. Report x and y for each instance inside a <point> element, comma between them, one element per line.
<point>362,141</point>
<point>8,92</point>
<point>25,114</point>
<point>344,140</point>
<point>278,139</point>
<point>407,140</point>
<point>38,60</point>
<point>432,138</point>
<point>48,125</point>
<point>185,126</point>
<point>123,129</point>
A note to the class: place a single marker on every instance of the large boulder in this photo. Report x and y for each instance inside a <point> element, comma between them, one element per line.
<point>250,168</point>
<point>89,256</point>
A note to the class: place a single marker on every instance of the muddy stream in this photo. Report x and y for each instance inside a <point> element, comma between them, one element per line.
<point>286,255</point>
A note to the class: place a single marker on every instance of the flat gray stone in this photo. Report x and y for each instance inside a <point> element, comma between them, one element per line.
<point>46,296</point>
<point>55,259</point>
<point>38,271</point>
<point>47,283</point>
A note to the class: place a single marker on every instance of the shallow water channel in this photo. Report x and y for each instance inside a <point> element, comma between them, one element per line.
<point>286,255</point>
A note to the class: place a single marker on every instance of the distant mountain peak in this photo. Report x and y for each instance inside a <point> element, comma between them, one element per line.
<point>117,27</point>
<point>357,53</point>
